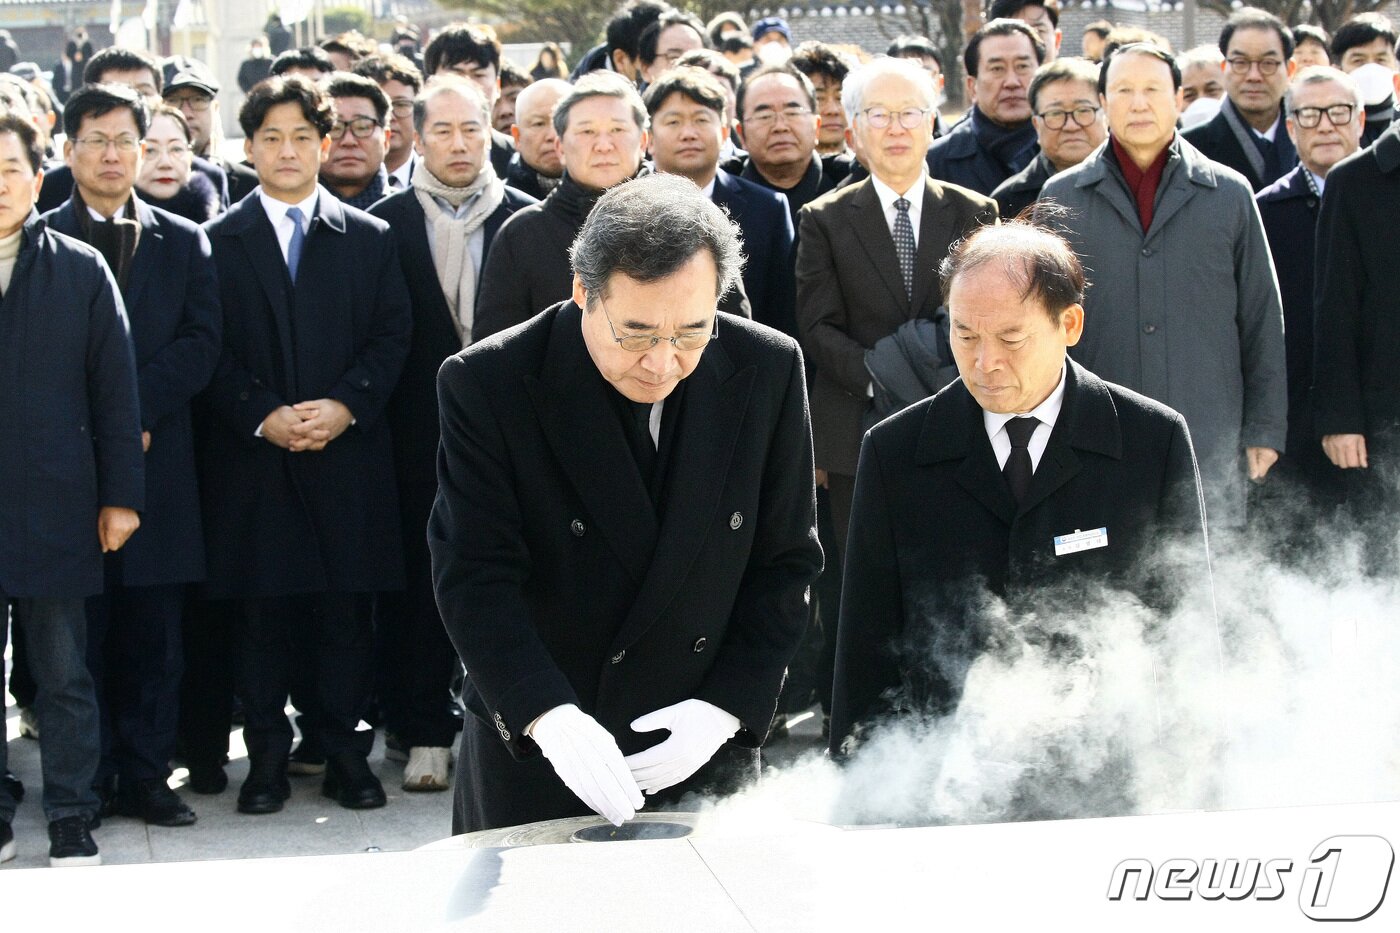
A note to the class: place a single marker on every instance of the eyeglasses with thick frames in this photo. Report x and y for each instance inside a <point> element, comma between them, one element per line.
<point>1337,115</point>
<point>360,128</point>
<point>1056,119</point>
<point>640,343</point>
<point>1267,66</point>
<point>879,118</point>
<point>196,102</point>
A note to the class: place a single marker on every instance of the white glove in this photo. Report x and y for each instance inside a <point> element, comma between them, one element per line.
<point>698,729</point>
<point>588,761</point>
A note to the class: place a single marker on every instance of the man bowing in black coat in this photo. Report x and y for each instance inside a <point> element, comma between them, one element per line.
<point>624,530</point>
<point>1029,472</point>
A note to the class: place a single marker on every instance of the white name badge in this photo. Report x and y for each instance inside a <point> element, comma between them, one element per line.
<point>1080,541</point>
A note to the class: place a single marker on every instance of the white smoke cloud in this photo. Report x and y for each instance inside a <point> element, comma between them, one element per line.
<point>1292,697</point>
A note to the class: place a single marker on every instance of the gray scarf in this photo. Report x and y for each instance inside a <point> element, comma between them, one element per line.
<point>448,236</point>
<point>1244,135</point>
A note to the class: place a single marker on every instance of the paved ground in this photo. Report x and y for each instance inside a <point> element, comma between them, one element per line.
<point>309,825</point>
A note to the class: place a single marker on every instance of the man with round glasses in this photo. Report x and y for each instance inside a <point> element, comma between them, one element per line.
<point>1248,133</point>
<point>1325,121</point>
<point>1069,124</point>
<point>867,258</point>
<point>624,530</point>
<point>354,167</point>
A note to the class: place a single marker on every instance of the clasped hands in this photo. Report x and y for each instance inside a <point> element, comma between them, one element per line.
<point>307,425</point>
<point>588,761</point>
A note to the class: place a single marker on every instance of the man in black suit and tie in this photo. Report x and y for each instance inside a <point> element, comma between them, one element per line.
<point>301,511</point>
<point>1028,477</point>
<point>867,256</point>
<point>623,535</point>
<point>445,224</point>
<point>687,134</point>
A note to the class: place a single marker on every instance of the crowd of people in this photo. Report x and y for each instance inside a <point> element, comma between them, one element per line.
<point>229,370</point>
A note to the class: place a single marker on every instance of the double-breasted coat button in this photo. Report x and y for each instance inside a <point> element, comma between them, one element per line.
<point>617,658</point>
<point>578,528</point>
<point>699,645</point>
<point>243,396</point>
<point>501,727</point>
<point>735,521</point>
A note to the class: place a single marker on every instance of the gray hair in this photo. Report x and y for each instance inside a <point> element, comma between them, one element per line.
<point>648,228</point>
<point>600,84</point>
<point>447,83</point>
<point>853,88</point>
<point>1324,74</point>
<point>1202,56</point>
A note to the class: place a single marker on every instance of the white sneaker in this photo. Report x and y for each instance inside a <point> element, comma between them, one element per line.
<point>28,723</point>
<point>426,769</point>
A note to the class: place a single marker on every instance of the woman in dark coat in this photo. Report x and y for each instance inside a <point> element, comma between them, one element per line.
<point>166,180</point>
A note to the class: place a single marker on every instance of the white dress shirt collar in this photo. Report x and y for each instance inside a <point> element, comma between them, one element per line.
<point>1047,412</point>
<point>887,196</point>
<point>97,215</point>
<point>277,213</point>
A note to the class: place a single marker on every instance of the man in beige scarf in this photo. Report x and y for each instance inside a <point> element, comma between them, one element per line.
<point>445,223</point>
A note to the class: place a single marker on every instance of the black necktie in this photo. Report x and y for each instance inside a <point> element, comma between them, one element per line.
<point>904,246</point>
<point>642,442</point>
<point>1018,466</point>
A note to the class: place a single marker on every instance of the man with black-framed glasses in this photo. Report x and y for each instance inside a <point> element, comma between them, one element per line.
<point>1069,125</point>
<point>194,93</point>
<point>1326,120</point>
<point>624,529</point>
<point>354,167</point>
<point>867,260</point>
<point>1248,133</point>
<point>401,80</point>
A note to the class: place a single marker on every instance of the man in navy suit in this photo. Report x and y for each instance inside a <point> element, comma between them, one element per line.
<point>445,224</point>
<point>688,131</point>
<point>71,484</point>
<point>1326,119</point>
<point>301,513</point>
<point>1027,474</point>
<point>162,265</point>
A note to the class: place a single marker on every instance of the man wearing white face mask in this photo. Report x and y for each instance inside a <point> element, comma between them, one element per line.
<point>1364,47</point>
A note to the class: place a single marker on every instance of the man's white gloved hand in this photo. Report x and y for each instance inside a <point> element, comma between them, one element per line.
<point>698,729</point>
<point>588,761</point>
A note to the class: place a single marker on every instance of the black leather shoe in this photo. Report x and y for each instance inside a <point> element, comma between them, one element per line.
<point>266,787</point>
<point>207,778</point>
<point>351,783</point>
<point>153,801</point>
